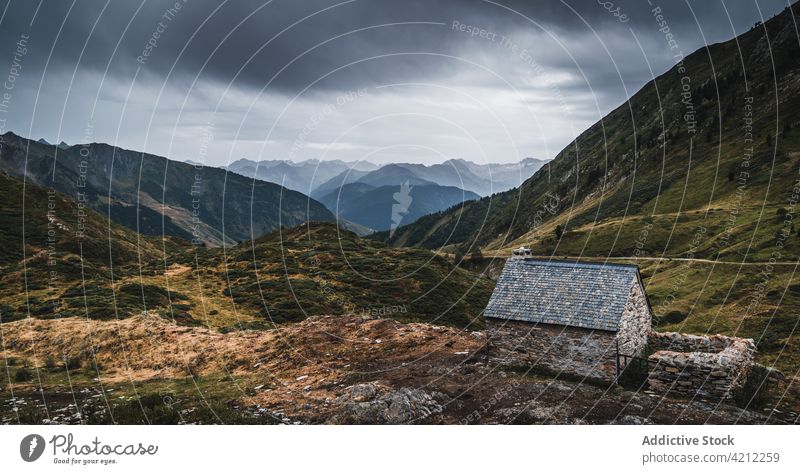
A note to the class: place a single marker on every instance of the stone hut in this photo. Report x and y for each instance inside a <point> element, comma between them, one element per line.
<point>568,317</point>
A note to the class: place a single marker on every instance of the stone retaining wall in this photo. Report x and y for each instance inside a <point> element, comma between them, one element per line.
<point>705,366</point>
<point>678,342</point>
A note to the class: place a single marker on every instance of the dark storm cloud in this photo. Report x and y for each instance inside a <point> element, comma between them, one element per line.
<point>584,60</point>
<point>227,36</point>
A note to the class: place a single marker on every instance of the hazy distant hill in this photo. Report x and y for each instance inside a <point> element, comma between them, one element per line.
<point>157,196</point>
<point>482,179</point>
<point>362,194</point>
<point>393,175</point>
<point>367,198</point>
<point>386,207</point>
<point>345,177</point>
<point>303,176</point>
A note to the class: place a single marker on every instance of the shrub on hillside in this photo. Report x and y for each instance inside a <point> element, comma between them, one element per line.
<point>23,375</point>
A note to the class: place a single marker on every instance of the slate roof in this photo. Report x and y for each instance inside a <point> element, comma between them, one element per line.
<point>586,295</point>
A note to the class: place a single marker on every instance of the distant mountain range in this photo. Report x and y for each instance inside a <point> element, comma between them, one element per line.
<point>318,178</point>
<point>157,196</point>
<point>363,194</point>
<point>303,176</point>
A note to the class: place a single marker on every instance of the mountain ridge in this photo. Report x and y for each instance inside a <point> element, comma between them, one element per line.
<point>155,195</point>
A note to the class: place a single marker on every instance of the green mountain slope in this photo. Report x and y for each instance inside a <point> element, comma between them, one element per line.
<point>680,156</point>
<point>59,258</point>
<point>157,196</point>
<point>319,269</point>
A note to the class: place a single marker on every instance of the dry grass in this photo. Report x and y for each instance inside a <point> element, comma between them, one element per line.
<point>147,346</point>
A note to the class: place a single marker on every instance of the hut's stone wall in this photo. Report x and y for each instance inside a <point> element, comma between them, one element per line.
<point>635,323</point>
<point>705,366</point>
<point>571,350</point>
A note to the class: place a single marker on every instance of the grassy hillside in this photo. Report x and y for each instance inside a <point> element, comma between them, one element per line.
<point>320,269</point>
<point>757,300</point>
<point>111,272</point>
<point>61,259</point>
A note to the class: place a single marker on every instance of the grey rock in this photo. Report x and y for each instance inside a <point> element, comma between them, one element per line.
<point>365,404</point>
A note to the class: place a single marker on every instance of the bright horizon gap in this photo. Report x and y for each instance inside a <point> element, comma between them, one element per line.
<point>294,161</point>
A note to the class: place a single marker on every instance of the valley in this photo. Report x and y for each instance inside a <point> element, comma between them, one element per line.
<point>136,289</point>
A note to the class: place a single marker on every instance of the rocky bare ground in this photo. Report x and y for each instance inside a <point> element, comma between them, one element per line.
<point>336,369</point>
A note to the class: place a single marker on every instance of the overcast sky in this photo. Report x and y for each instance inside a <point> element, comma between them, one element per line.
<point>387,81</point>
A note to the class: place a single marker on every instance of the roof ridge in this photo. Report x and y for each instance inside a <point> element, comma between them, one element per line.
<point>574,263</point>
